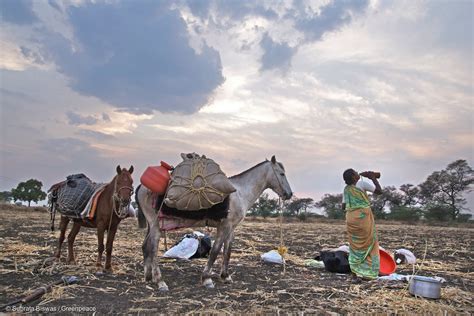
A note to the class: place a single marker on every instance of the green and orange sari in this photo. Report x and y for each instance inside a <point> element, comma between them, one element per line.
<point>364,257</point>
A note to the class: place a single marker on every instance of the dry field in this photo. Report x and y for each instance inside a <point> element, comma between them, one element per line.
<point>258,288</point>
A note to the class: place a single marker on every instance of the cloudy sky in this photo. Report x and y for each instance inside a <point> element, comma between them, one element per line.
<point>324,85</point>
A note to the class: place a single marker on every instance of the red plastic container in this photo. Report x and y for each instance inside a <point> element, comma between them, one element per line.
<point>156,178</point>
<point>387,263</point>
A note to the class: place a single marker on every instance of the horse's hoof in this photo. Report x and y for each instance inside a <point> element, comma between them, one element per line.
<point>109,270</point>
<point>162,287</point>
<point>208,283</point>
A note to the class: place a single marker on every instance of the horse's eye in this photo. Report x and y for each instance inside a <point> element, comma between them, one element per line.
<point>282,174</point>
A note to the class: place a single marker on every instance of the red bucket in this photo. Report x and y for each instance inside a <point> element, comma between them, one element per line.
<point>387,263</point>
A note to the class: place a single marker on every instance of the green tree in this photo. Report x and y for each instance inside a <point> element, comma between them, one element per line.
<point>297,205</point>
<point>264,206</point>
<point>332,205</point>
<point>402,203</point>
<point>410,194</point>
<point>29,191</point>
<point>404,213</point>
<point>6,196</point>
<point>444,190</point>
<point>389,196</point>
<point>437,213</point>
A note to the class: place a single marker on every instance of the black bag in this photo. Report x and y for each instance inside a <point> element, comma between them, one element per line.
<point>335,261</point>
<point>205,245</point>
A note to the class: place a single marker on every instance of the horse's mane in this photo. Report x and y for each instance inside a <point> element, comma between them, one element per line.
<point>257,165</point>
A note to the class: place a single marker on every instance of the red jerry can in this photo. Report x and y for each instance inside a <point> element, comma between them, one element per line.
<point>156,178</point>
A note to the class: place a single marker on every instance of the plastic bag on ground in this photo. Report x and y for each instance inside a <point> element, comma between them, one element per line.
<point>314,263</point>
<point>272,257</point>
<point>184,250</point>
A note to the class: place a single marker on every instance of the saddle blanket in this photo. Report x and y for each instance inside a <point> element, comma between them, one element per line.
<point>91,206</point>
<point>168,223</point>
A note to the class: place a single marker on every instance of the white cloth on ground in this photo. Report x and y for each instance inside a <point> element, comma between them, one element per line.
<point>409,256</point>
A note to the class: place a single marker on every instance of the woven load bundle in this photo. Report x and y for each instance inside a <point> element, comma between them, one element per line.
<point>73,195</point>
<point>197,183</point>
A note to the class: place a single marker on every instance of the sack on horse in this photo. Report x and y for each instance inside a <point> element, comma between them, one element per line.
<point>197,183</point>
<point>72,195</point>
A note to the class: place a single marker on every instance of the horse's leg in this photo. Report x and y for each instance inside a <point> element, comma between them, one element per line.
<point>150,249</point>
<point>62,232</point>
<point>108,248</point>
<point>224,230</point>
<point>70,241</point>
<point>150,244</point>
<point>225,262</point>
<point>100,244</point>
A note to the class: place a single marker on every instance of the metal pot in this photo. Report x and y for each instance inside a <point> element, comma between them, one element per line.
<point>425,287</point>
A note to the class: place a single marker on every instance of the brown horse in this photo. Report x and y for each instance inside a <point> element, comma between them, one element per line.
<point>112,207</point>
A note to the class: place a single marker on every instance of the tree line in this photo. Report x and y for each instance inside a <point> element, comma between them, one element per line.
<point>440,197</point>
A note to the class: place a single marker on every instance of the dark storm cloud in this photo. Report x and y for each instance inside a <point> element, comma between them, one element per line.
<point>276,55</point>
<point>137,58</point>
<point>312,22</point>
<point>235,9</point>
<point>331,17</point>
<point>17,12</point>
<point>77,119</point>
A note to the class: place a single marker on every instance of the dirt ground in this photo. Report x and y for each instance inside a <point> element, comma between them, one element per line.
<point>26,243</point>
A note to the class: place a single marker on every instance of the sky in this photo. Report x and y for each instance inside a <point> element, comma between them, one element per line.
<point>323,85</point>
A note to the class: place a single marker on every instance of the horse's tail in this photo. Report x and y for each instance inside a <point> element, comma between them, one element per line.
<point>141,217</point>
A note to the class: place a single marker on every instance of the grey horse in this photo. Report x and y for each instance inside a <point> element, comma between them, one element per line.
<point>250,184</point>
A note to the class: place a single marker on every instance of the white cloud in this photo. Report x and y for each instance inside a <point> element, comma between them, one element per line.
<point>381,92</point>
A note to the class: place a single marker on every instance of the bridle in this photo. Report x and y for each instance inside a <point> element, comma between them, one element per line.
<point>278,179</point>
<point>123,208</point>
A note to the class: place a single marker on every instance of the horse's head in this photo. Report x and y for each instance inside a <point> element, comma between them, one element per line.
<point>123,186</point>
<point>278,181</point>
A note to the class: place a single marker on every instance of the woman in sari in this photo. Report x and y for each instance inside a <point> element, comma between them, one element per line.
<point>363,243</point>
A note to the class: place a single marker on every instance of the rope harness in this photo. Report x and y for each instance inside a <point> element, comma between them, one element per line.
<point>282,250</point>
<point>197,171</point>
<point>123,208</point>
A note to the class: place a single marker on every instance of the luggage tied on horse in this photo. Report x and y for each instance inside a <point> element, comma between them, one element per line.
<point>77,197</point>
<point>71,196</point>
<point>197,183</point>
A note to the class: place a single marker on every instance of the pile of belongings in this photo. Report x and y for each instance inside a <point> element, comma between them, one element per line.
<point>335,260</point>
<point>71,196</point>
<point>195,245</point>
<point>197,183</point>
<point>403,256</point>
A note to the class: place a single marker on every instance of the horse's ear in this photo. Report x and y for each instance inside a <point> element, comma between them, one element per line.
<point>119,170</point>
<point>130,170</point>
<point>274,159</point>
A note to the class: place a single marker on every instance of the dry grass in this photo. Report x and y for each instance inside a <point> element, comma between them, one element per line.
<point>258,288</point>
